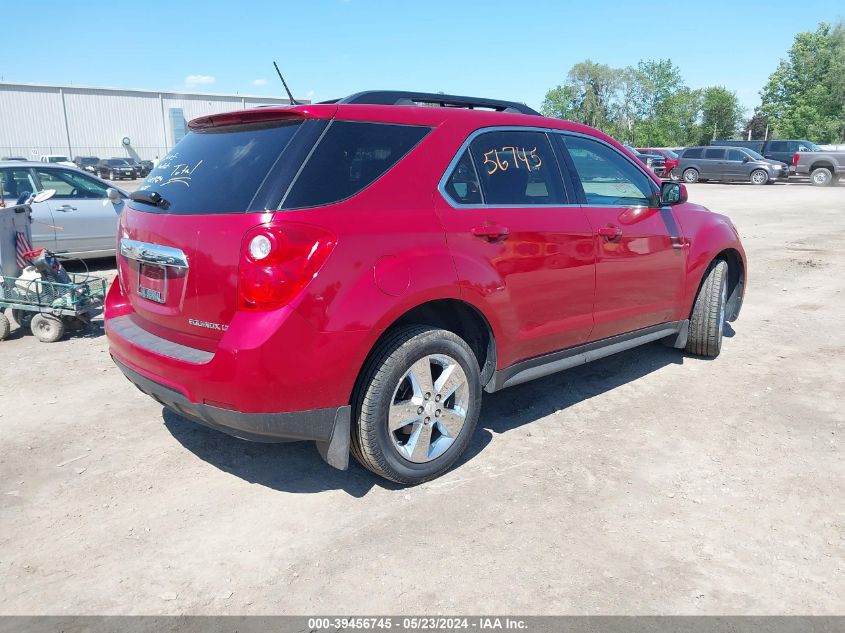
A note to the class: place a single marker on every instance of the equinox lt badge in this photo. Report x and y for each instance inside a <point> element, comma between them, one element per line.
<point>208,325</point>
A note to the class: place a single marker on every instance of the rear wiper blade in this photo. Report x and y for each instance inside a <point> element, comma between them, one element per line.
<point>150,197</point>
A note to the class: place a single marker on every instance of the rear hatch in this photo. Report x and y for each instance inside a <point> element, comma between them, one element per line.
<point>181,235</point>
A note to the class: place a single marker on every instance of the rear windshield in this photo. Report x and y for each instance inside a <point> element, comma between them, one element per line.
<point>350,157</point>
<point>218,170</point>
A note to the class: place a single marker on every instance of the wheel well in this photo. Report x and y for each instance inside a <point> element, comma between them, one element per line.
<point>736,281</point>
<point>821,164</point>
<point>459,318</point>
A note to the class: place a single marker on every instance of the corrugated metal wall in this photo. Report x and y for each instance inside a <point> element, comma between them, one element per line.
<point>32,119</point>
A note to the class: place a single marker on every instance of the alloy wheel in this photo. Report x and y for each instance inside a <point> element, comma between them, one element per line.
<point>429,408</point>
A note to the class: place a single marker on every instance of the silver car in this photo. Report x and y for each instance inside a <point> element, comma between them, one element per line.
<point>80,220</point>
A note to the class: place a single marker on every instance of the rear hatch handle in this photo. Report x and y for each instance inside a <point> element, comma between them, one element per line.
<point>153,253</point>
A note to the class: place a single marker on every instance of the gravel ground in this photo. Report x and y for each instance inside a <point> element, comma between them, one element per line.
<point>649,482</point>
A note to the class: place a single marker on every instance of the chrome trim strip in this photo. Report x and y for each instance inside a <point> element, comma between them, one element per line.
<point>153,253</point>
<point>441,186</point>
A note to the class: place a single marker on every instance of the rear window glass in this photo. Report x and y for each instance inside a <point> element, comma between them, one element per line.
<point>350,157</point>
<point>217,170</point>
<point>715,154</point>
<point>517,168</point>
<point>694,152</point>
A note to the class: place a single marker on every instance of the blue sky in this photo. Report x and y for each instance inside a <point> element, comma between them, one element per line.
<point>330,48</point>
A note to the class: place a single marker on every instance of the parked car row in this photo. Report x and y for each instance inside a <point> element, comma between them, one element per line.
<point>114,168</point>
<point>758,162</point>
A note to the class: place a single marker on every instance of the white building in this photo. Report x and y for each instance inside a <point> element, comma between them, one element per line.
<point>104,122</point>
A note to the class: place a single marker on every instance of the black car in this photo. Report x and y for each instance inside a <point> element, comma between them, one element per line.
<point>141,170</point>
<point>87,163</point>
<point>781,150</point>
<point>655,162</point>
<point>115,168</point>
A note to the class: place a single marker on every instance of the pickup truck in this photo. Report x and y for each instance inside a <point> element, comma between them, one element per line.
<point>824,168</point>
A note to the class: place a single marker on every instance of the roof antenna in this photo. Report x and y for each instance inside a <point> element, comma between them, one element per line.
<point>284,83</point>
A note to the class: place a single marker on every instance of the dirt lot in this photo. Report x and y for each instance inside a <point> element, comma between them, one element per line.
<point>649,482</point>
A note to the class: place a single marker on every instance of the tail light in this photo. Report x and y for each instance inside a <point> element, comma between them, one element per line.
<point>277,262</point>
<point>795,158</point>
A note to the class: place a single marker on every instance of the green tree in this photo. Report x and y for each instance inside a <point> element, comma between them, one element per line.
<point>757,126</point>
<point>721,114</point>
<point>660,81</point>
<point>805,95</point>
<point>586,96</point>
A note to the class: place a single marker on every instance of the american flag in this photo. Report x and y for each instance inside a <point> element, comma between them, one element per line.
<point>22,246</point>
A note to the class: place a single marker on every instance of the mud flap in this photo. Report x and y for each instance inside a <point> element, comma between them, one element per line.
<point>679,340</point>
<point>336,451</point>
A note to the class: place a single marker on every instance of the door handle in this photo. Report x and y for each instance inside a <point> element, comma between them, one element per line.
<point>491,232</point>
<point>610,232</point>
<point>65,208</point>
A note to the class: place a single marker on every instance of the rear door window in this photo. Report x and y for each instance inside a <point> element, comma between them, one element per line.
<point>71,185</point>
<point>777,146</point>
<point>517,168</point>
<point>694,152</point>
<point>714,153</point>
<point>350,157</point>
<point>218,170</point>
<point>14,183</point>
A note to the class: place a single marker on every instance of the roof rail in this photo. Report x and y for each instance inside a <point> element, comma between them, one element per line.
<point>400,97</point>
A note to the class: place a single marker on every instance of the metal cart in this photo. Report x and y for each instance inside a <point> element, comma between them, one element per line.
<point>50,308</point>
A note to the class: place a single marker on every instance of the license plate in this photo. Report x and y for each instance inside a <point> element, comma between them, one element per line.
<point>152,283</point>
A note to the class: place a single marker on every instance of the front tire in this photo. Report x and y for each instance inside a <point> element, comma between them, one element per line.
<point>417,405</point>
<point>707,320</point>
<point>690,175</point>
<point>5,326</point>
<point>759,177</point>
<point>821,177</point>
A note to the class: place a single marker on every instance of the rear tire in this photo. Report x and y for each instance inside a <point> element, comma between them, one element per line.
<point>690,175</point>
<point>707,320</point>
<point>759,177</point>
<point>417,404</point>
<point>47,328</point>
<point>5,327</point>
<point>821,177</point>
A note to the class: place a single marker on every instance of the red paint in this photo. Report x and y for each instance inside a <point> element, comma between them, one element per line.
<point>544,278</point>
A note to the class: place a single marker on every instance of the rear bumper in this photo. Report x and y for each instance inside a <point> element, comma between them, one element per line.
<point>328,427</point>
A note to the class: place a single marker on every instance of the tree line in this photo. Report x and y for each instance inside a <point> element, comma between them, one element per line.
<point>649,105</point>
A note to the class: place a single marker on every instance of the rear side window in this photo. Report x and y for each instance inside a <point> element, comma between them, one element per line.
<point>777,146</point>
<point>218,170</point>
<point>517,168</point>
<point>463,186</point>
<point>350,157</point>
<point>715,154</point>
<point>694,152</point>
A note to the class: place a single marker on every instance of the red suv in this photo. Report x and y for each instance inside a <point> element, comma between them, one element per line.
<point>356,273</point>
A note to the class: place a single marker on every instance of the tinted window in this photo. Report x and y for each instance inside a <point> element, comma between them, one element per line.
<point>694,152</point>
<point>517,168</point>
<point>716,153</point>
<point>70,185</point>
<point>777,146</point>
<point>462,186</point>
<point>13,183</point>
<point>735,155</point>
<point>608,178</point>
<point>217,170</point>
<point>350,157</point>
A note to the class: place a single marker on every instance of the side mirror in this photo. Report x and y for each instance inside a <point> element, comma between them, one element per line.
<point>673,193</point>
<point>746,159</point>
<point>41,196</point>
<point>113,195</point>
